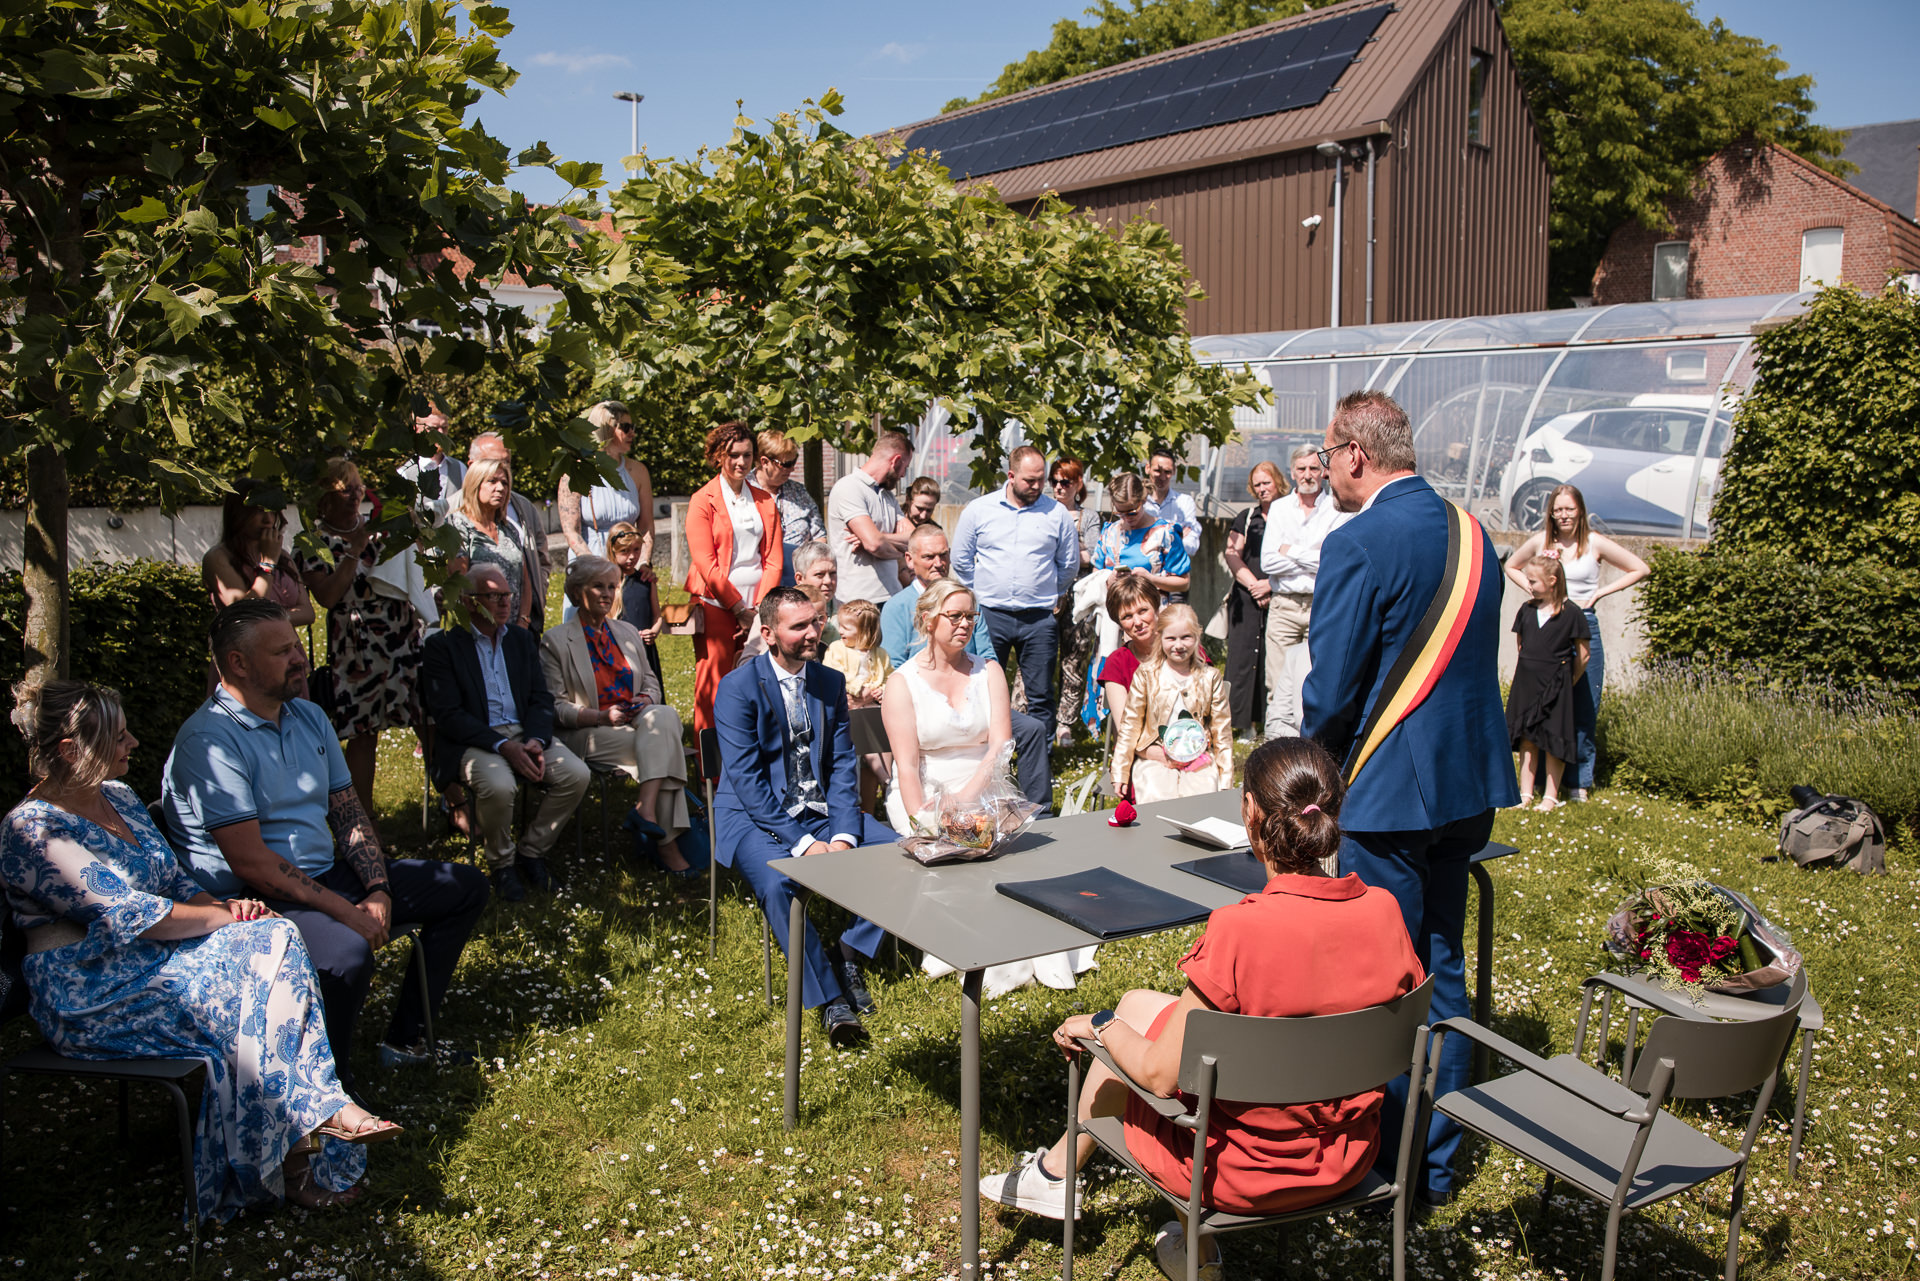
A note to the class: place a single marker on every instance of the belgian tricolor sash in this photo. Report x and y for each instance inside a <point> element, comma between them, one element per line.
<point>1430,648</point>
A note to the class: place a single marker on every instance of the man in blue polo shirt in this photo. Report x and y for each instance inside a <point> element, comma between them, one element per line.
<point>257,796</point>
<point>927,557</point>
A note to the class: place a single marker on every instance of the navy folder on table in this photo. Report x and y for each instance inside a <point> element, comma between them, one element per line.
<point>1104,903</point>
<point>1237,871</point>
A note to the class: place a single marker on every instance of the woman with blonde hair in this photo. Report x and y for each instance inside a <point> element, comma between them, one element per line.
<point>1138,540</point>
<point>586,519</point>
<point>1176,736</point>
<point>733,560</point>
<point>486,535</point>
<point>799,515</point>
<point>130,958</point>
<point>374,639</point>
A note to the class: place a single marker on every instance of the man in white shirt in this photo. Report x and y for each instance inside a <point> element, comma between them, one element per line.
<point>437,475</point>
<point>1163,504</point>
<point>865,526</point>
<point>1297,524</point>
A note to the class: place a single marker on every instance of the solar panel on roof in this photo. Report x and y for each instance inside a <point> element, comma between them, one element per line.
<point>1282,71</point>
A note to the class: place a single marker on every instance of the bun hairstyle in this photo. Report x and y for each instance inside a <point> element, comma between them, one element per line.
<point>1295,784</point>
<point>90,715</point>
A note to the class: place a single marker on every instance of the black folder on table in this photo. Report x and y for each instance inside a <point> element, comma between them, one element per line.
<point>1104,903</point>
<point>1237,871</point>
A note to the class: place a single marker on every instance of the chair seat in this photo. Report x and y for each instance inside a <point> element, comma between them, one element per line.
<point>47,1061</point>
<point>1110,1133</point>
<point>1582,1145</point>
<point>1739,1006</point>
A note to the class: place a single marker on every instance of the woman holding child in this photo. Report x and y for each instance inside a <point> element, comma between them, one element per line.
<point>130,958</point>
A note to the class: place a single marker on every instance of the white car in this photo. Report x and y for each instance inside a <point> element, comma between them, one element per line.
<point>1639,466</point>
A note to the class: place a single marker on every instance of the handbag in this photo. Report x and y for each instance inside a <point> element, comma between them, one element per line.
<point>1221,623</point>
<point>1833,831</point>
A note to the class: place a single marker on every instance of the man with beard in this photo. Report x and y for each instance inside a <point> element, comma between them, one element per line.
<point>789,787</point>
<point>257,798</point>
<point>1297,524</point>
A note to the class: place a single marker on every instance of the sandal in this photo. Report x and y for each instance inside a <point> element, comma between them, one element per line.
<point>1547,805</point>
<point>372,1130</point>
<point>303,1191</point>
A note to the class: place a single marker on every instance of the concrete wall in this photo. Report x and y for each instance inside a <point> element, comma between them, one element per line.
<point>182,538</point>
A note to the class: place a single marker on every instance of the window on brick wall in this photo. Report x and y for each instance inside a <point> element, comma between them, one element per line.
<point>1477,97</point>
<point>1669,270</point>
<point>1820,256</point>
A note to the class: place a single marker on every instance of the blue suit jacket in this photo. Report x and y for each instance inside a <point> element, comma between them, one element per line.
<point>1450,758</point>
<point>751,722</point>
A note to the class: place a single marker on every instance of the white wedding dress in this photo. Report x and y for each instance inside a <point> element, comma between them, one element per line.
<point>953,743</point>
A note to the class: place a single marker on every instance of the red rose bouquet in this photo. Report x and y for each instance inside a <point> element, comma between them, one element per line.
<point>1693,935</point>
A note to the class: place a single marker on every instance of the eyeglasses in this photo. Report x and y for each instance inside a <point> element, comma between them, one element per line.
<point>491,598</point>
<point>1326,455</point>
<point>962,620</point>
<point>784,464</point>
<point>626,428</point>
<point>1060,480</point>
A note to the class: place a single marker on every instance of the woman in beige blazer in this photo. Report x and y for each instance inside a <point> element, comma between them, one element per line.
<point>1173,683</point>
<point>609,709</point>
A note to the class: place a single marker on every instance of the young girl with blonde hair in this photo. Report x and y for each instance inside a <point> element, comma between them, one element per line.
<point>1176,735</point>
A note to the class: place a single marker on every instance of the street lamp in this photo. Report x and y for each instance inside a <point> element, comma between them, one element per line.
<point>635,99</point>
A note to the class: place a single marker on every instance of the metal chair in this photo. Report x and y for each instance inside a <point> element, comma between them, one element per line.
<point>1639,993</point>
<point>1614,1142</point>
<point>869,730</point>
<point>602,778</point>
<point>1275,1062</point>
<point>709,771</point>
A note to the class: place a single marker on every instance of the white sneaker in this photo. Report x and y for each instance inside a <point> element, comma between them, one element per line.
<point>1170,1252</point>
<point>1025,1188</point>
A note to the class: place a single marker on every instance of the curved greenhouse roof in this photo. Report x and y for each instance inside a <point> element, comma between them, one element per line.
<point>1632,403</point>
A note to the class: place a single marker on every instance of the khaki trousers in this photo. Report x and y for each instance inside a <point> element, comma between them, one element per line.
<point>494,786</point>
<point>645,749</point>
<point>1288,614</point>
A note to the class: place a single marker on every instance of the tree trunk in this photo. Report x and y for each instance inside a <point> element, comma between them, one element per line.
<point>44,565</point>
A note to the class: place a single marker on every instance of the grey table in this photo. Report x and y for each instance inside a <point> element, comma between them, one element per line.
<point>954,912</point>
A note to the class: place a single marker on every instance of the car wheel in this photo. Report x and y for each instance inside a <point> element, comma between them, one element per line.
<point>1530,504</point>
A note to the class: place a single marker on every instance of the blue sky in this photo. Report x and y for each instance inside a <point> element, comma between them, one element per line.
<point>899,62</point>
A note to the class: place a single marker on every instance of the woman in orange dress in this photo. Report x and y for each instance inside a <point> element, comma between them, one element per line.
<point>1306,945</point>
<point>734,558</point>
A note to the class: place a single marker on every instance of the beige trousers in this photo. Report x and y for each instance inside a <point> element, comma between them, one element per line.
<point>494,786</point>
<point>645,749</point>
<point>1288,614</point>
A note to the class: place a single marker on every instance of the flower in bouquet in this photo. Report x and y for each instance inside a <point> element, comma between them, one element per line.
<point>1683,930</point>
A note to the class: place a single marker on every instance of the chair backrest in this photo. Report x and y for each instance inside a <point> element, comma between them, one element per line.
<point>1277,1061</point>
<point>869,730</point>
<point>1712,1059</point>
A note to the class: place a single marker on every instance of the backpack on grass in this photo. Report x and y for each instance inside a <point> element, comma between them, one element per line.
<point>1833,831</point>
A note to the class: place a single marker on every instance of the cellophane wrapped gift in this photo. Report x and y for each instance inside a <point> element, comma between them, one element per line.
<point>958,825</point>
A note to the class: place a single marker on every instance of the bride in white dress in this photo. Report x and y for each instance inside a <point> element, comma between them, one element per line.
<point>948,721</point>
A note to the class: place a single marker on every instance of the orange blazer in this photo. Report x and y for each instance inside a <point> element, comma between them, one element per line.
<point>710,544</point>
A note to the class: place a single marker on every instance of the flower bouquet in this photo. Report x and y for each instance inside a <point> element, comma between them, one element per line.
<point>1693,935</point>
<point>965,824</point>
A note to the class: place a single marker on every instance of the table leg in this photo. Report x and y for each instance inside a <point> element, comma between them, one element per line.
<point>796,936</point>
<point>970,1123</point>
<point>1483,970</point>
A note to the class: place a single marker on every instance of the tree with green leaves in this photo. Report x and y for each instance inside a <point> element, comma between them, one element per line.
<point>139,142</point>
<point>1631,97</point>
<point>802,278</point>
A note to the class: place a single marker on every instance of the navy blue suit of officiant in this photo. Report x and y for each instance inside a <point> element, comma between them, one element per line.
<point>1424,802</point>
<point>760,814</point>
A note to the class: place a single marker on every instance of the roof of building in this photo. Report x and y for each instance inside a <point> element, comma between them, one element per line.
<point>1257,92</point>
<point>1889,158</point>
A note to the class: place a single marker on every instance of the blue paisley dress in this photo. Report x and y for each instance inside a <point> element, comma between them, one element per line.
<point>242,999</point>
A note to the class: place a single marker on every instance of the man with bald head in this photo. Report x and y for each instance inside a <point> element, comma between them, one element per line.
<point>494,731</point>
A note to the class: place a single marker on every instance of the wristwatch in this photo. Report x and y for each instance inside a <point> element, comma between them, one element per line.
<point>1100,1021</point>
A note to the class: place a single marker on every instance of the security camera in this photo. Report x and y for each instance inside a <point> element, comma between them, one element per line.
<point>1310,222</point>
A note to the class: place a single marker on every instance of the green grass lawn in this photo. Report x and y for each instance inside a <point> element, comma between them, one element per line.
<point>624,1119</point>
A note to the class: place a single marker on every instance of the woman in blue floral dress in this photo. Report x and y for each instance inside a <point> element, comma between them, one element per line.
<point>130,958</point>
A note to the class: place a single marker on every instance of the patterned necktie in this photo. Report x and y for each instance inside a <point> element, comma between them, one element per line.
<point>803,788</point>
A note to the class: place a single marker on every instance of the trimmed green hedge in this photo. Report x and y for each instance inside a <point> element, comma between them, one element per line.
<point>1854,624</point>
<point>139,627</point>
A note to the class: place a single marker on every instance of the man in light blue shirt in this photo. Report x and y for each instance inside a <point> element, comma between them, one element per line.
<point>1019,550</point>
<point>927,557</point>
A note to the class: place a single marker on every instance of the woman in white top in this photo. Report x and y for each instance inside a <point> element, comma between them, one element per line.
<point>1580,552</point>
<point>948,721</point>
<point>733,560</point>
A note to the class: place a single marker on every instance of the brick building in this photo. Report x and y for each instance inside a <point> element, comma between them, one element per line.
<point>1761,221</point>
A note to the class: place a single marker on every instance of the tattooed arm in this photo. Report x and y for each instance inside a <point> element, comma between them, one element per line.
<point>274,876</point>
<point>356,841</point>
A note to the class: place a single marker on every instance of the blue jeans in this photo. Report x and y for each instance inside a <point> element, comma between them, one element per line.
<point>1036,634</point>
<point>1426,872</point>
<point>1586,705</point>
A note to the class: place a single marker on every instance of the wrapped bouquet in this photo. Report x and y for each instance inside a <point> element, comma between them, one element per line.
<point>966,825</point>
<point>1694,935</point>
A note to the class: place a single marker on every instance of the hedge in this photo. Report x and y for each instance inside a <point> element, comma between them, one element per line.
<point>1783,621</point>
<point>139,627</point>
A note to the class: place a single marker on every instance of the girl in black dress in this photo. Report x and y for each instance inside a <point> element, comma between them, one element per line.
<point>1553,657</point>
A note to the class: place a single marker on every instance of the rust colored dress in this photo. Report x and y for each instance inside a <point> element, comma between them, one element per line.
<point>1304,946</point>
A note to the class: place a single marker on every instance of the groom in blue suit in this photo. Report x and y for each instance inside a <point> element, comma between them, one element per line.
<point>1423,800</point>
<point>789,786</point>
